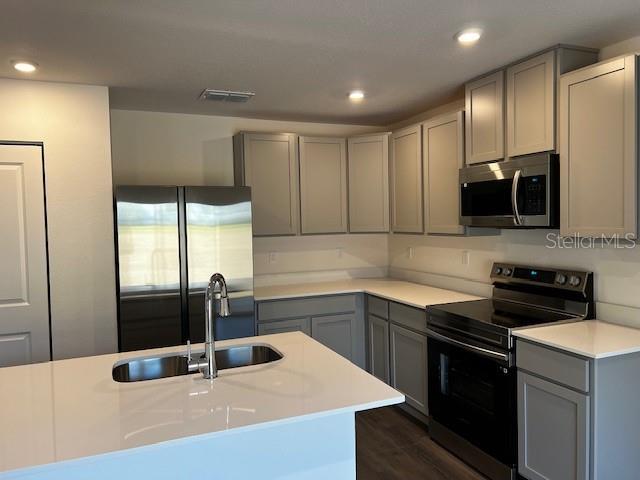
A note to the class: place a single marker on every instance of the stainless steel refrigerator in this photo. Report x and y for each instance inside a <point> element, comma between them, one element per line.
<point>170,239</point>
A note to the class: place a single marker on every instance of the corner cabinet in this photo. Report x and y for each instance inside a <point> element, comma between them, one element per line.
<point>598,150</point>
<point>323,185</point>
<point>340,332</point>
<point>268,163</point>
<point>368,163</point>
<point>406,180</point>
<point>443,156</point>
<point>484,118</point>
<point>336,321</point>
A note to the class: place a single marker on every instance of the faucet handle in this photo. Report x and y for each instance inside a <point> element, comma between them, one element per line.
<point>189,351</point>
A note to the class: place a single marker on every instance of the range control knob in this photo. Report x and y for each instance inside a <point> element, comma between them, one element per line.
<point>498,270</point>
<point>506,271</point>
<point>574,281</point>
<point>561,279</point>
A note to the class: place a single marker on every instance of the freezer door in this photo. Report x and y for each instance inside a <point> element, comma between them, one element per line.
<point>148,267</point>
<point>219,239</point>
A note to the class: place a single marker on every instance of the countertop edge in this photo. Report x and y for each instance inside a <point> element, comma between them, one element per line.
<point>208,435</point>
<point>364,290</point>
<point>576,351</point>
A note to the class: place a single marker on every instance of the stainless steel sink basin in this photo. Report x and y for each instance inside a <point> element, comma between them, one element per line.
<point>139,369</point>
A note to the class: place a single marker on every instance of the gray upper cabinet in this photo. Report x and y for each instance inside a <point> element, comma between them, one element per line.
<point>553,431</point>
<point>531,97</point>
<point>406,180</point>
<point>369,183</point>
<point>323,185</point>
<point>268,163</point>
<point>598,150</point>
<point>484,118</point>
<point>443,155</point>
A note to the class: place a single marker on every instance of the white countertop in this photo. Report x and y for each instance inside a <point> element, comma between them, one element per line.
<point>408,293</point>
<point>589,338</point>
<point>68,409</point>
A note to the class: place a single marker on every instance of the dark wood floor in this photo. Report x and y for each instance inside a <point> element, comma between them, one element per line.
<point>391,445</point>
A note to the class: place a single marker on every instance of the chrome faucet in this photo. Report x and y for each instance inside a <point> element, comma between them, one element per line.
<point>216,290</point>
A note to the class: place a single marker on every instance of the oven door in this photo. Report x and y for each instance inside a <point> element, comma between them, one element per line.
<point>473,394</point>
<point>521,193</point>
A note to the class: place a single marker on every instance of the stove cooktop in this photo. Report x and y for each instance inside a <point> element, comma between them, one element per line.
<point>500,314</point>
<point>523,296</point>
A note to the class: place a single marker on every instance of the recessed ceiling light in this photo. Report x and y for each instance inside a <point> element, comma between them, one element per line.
<point>469,36</point>
<point>356,95</point>
<point>25,67</point>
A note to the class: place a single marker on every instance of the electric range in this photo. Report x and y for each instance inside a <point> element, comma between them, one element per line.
<point>471,367</point>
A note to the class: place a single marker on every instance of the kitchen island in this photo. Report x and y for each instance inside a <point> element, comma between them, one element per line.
<point>293,418</point>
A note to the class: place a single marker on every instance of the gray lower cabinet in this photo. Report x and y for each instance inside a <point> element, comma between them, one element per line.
<point>338,332</point>
<point>336,321</point>
<point>577,416</point>
<point>283,326</point>
<point>409,365</point>
<point>378,352</point>
<point>553,430</point>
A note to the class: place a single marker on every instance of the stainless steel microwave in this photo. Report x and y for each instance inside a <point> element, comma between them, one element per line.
<point>517,193</point>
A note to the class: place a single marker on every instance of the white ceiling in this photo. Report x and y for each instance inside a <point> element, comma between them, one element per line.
<point>301,57</point>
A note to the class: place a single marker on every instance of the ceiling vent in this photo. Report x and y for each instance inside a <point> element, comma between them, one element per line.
<point>225,96</point>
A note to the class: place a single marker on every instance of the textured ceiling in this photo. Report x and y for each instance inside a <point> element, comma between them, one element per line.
<point>301,57</point>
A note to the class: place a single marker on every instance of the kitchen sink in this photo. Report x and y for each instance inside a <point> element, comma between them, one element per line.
<point>152,368</point>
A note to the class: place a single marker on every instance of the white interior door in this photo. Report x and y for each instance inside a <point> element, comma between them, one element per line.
<point>24,305</point>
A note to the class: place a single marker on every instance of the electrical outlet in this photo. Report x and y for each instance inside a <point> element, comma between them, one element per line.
<point>273,257</point>
<point>465,257</point>
<point>339,252</point>
<point>410,252</point>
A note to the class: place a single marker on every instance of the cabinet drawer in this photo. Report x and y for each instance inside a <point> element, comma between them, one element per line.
<point>273,310</point>
<point>411,317</point>
<point>557,366</point>
<point>378,307</point>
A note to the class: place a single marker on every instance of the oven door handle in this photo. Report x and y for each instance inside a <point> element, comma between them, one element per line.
<point>517,220</point>
<point>471,348</point>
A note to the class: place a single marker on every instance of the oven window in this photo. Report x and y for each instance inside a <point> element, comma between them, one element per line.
<point>484,199</point>
<point>475,397</point>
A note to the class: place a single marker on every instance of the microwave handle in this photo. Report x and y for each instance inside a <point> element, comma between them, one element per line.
<point>517,220</point>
